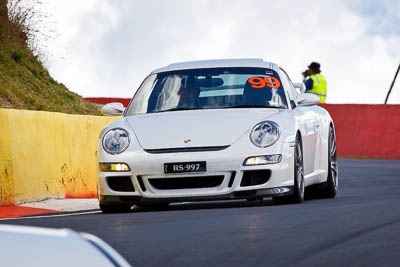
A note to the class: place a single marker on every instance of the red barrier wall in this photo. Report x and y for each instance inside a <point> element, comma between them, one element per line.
<point>362,131</point>
<point>105,100</point>
<point>366,131</point>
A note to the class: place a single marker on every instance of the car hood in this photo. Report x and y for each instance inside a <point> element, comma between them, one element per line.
<point>202,127</point>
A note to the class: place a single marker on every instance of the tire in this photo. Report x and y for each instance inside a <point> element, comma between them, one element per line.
<point>122,208</point>
<point>298,189</point>
<point>330,187</point>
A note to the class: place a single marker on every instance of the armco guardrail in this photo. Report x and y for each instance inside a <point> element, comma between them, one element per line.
<point>367,131</point>
<point>47,155</point>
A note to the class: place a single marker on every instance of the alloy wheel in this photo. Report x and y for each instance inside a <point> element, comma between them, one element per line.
<point>333,160</point>
<point>299,172</point>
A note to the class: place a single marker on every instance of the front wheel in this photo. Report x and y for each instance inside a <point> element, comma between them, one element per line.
<point>330,187</point>
<point>298,189</point>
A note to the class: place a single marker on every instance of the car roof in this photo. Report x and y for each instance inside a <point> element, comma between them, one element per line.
<point>219,63</point>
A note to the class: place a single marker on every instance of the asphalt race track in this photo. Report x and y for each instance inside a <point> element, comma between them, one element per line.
<point>360,227</point>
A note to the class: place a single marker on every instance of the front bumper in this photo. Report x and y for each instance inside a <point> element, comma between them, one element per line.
<point>226,164</point>
<point>244,194</point>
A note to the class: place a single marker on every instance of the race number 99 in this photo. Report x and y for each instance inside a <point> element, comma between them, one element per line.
<point>259,82</point>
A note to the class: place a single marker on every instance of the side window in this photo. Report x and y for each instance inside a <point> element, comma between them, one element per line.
<point>286,84</point>
<point>289,85</point>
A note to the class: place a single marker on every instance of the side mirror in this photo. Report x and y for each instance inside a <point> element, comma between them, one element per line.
<point>307,99</point>
<point>113,109</point>
<point>300,86</point>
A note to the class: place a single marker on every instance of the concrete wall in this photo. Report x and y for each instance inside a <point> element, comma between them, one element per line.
<point>106,100</point>
<point>367,131</point>
<point>362,131</point>
<point>46,155</point>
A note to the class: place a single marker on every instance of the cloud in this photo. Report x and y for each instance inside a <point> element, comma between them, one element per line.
<point>110,46</point>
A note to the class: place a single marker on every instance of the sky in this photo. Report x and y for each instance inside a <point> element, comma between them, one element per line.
<point>105,48</point>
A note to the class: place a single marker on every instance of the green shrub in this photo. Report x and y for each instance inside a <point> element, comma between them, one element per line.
<point>17,55</point>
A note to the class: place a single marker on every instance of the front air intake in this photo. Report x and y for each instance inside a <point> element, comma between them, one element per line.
<point>120,183</point>
<point>186,182</point>
<point>255,177</point>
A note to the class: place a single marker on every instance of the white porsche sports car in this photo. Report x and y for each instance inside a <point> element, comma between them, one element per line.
<point>217,130</point>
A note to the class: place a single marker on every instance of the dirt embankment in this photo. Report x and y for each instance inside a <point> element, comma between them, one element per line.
<point>24,82</point>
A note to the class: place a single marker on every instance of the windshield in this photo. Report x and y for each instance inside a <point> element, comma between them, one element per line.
<point>214,88</point>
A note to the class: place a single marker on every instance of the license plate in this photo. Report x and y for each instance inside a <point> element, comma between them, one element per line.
<point>196,166</point>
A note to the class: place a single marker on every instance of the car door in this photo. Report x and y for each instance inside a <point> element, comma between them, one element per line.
<point>308,124</point>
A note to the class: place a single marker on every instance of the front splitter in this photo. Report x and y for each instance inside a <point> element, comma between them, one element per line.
<point>245,194</point>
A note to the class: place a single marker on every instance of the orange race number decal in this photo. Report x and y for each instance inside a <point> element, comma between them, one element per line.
<point>259,82</point>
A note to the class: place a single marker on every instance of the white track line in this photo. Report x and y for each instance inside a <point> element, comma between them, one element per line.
<point>50,216</point>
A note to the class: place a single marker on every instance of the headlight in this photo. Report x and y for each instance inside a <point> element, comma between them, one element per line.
<point>265,134</point>
<point>113,167</point>
<point>262,160</point>
<point>116,140</point>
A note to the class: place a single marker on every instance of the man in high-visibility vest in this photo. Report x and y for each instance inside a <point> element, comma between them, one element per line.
<point>316,84</point>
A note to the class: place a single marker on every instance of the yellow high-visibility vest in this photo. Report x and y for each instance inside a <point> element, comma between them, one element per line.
<point>319,86</point>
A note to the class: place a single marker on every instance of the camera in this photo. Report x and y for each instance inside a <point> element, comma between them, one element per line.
<point>305,73</point>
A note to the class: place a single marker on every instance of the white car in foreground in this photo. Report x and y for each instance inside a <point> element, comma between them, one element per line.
<point>214,130</point>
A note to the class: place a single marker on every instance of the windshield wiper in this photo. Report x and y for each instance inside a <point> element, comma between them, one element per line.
<point>253,106</point>
<point>175,109</point>
<point>238,106</point>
